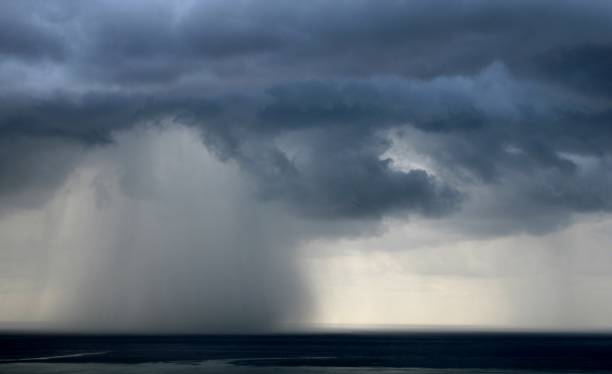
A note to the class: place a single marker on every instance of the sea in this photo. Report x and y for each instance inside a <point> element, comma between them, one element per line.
<point>354,353</point>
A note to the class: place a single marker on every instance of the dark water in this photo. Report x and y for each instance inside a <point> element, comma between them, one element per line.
<point>314,353</point>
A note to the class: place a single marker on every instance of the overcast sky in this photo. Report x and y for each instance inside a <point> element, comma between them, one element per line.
<point>261,165</point>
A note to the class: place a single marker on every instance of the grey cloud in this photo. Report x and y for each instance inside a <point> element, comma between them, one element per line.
<point>584,67</point>
<point>92,117</point>
<point>32,169</point>
<point>163,41</point>
<point>27,33</point>
<point>338,174</point>
<point>503,106</point>
<point>304,96</point>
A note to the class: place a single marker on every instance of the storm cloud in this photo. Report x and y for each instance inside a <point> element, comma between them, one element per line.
<point>495,115</point>
<point>304,96</point>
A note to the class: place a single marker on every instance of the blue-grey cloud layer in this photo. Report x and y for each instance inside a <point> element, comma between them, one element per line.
<point>510,96</point>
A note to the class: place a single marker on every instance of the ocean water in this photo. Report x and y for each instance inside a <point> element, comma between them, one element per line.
<point>223,368</point>
<point>308,353</point>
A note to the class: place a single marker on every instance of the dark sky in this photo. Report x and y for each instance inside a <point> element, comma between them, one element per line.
<point>504,106</point>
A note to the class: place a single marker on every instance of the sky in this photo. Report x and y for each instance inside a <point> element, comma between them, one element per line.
<point>215,166</point>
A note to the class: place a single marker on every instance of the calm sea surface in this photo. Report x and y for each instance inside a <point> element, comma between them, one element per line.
<point>316,353</point>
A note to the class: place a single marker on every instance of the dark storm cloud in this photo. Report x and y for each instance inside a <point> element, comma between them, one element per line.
<point>505,95</point>
<point>347,38</point>
<point>586,67</point>
<point>25,33</point>
<point>32,168</point>
<point>339,173</point>
<point>93,116</point>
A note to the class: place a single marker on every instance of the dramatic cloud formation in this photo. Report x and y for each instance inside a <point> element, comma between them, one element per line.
<point>495,115</point>
<point>304,96</point>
